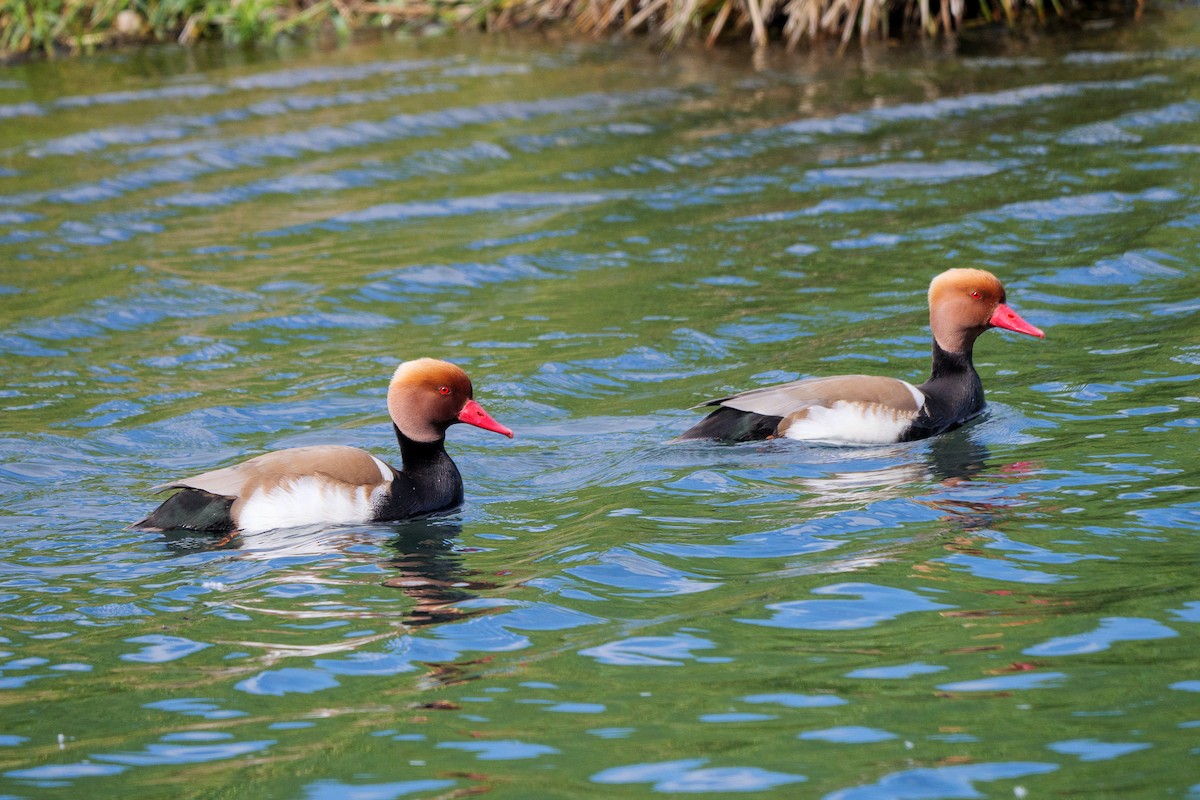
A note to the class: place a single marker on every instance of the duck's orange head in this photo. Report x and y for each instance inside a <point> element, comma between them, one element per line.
<point>426,396</point>
<point>964,303</point>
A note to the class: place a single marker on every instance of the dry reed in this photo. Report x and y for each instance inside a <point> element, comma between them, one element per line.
<point>73,25</point>
<point>762,21</point>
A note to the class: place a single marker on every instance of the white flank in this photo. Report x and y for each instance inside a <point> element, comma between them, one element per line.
<point>385,471</point>
<point>850,422</point>
<point>310,500</point>
<point>916,393</point>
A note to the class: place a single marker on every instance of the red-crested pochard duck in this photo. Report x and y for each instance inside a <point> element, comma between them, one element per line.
<point>334,484</point>
<point>867,409</point>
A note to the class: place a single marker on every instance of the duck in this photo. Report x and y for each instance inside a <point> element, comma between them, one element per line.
<point>336,484</point>
<point>870,409</point>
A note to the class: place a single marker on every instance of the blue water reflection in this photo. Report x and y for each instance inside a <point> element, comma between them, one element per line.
<point>898,672</point>
<point>160,649</point>
<point>653,651</point>
<point>1092,750</point>
<point>848,734</point>
<point>791,700</point>
<point>941,783</point>
<point>190,753</point>
<point>1111,631</point>
<point>1008,683</point>
<point>279,682</point>
<point>875,604</point>
<point>690,776</point>
<point>196,707</point>
<point>500,751</point>
<point>337,790</point>
<point>55,775</point>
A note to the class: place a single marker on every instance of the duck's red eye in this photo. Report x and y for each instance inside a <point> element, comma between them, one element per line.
<point>443,390</point>
<point>975,294</point>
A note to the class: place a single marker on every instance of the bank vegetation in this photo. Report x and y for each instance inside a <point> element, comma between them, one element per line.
<point>56,26</point>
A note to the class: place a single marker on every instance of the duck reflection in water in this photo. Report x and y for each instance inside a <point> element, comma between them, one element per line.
<point>954,475</point>
<point>958,460</point>
<point>428,568</point>
<point>952,460</point>
<point>949,459</point>
<point>431,572</point>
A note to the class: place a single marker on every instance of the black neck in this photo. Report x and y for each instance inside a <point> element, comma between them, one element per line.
<point>953,393</point>
<point>948,364</point>
<point>427,482</point>
<point>419,455</point>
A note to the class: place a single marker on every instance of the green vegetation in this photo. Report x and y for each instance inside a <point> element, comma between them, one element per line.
<point>53,26</point>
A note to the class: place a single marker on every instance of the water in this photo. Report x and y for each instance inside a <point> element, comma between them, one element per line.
<point>208,254</point>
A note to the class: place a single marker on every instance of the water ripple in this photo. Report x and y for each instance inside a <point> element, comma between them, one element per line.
<point>950,781</point>
<point>174,754</point>
<point>338,790</point>
<point>294,78</point>
<point>1111,631</point>
<point>876,604</point>
<point>138,96</point>
<point>454,206</point>
<point>509,750</point>
<point>1092,750</point>
<point>651,651</point>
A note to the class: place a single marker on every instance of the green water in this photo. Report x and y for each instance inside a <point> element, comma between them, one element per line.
<point>210,254</point>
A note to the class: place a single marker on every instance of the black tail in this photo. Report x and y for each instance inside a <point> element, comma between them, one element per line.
<point>730,425</point>
<point>191,510</point>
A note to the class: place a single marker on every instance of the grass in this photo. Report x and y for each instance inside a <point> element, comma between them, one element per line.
<point>57,26</point>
